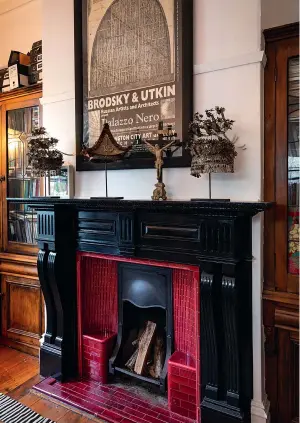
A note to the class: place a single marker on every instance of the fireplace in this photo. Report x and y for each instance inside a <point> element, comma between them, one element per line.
<point>116,299</point>
<point>198,254</point>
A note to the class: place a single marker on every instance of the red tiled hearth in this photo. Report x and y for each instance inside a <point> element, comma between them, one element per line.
<point>109,402</point>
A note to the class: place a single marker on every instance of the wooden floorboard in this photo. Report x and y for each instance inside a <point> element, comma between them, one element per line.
<point>16,368</point>
<point>19,372</point>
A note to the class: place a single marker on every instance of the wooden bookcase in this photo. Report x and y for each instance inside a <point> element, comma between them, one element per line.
<point>281,264</point>
<point>21,302</point>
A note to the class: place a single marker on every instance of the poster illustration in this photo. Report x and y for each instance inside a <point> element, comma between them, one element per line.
<point>133,70</point>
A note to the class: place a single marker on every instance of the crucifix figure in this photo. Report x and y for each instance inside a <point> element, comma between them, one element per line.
<point>158,153</point>
<point>158,150</point>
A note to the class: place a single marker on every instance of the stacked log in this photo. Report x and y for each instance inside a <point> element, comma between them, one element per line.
<point>147,359</point>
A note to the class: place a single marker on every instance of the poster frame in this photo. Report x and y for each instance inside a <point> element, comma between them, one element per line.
<point>185,95</point>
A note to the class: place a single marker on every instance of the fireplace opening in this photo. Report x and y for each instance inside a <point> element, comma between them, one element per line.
<point>118,299</point>
<point>145,329</point>
<point>144,343</point>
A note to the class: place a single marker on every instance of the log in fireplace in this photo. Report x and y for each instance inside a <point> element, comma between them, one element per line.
<point>177,274</point>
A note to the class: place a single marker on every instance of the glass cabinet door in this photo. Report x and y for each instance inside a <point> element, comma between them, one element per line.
<point>293,166</point>
<point>20,182</point>
<point>282,166</point>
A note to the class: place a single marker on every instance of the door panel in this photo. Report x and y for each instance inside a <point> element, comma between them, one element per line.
<point>22,316</point>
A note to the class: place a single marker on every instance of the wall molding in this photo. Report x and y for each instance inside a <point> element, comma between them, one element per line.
<point>58,98</point>
<point>7,6</point>
<point>232,62</point>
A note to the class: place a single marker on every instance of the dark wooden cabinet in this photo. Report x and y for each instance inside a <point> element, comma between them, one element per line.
<point>281,276</point>
<point>21,299</point>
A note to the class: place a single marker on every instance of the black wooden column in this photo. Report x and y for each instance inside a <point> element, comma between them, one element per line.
<point>57,273</point>
<point>226,343</point>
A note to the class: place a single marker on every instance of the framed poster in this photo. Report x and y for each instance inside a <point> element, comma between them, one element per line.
<point>134,69</point>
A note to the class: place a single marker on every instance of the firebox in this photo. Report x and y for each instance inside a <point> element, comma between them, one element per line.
<point>145,330</point>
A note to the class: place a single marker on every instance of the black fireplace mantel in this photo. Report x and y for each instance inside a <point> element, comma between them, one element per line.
<point>243,207</point>
<point>216,236</point>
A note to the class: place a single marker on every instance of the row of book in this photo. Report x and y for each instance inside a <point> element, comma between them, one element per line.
<point>23,228</point>
<point>24,188</point>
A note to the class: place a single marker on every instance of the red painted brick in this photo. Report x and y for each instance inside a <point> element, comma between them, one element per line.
<point>192,415</point>
<point>188,390</point>
<point>174,401</point>
<point>188,406</point>
<point>180,411</point>
<point>179,395</point>
<point>192,399</point>
<point>173,385</point>
<point>173,370</point>
<point>114,417</point>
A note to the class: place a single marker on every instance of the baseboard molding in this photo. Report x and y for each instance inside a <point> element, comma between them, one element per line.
<point>260,411</point>
<point>33,350</point>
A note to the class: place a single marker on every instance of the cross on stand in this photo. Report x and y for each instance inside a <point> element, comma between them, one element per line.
<point>166,139</point>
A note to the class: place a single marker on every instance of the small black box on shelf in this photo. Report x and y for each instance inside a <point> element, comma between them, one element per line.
<point>36,63</point>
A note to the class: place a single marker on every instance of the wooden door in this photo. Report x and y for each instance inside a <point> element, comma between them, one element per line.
<point>281,249</point>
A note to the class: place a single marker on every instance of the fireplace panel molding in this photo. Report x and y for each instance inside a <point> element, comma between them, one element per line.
<point>214,237</point>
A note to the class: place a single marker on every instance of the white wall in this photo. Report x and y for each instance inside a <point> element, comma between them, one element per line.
<point>20,26</point>
<point>279,12</point>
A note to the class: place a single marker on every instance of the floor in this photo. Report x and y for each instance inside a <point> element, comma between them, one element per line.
<point>18,373</point>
